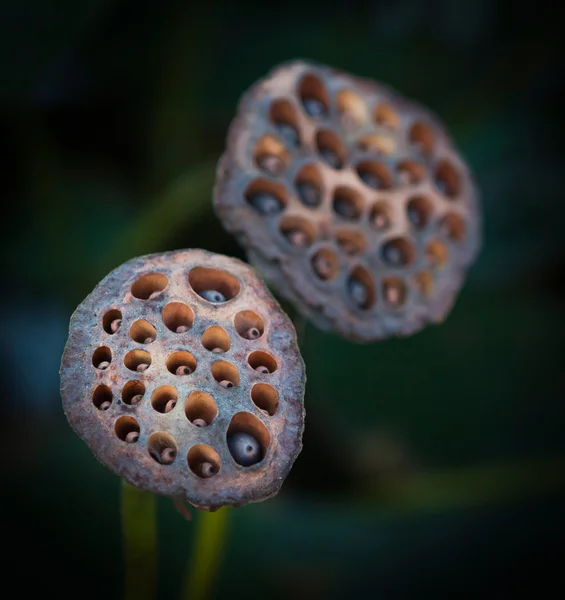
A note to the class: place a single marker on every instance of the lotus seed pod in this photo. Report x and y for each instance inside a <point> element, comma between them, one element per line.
<point>170,426</point>
<point>372,219</point>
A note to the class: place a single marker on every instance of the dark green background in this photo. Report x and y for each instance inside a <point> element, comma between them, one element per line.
<point>432,466</point>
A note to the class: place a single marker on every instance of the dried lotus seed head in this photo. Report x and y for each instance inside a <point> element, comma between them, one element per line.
<point>211,409</point>
<point>370,220</point>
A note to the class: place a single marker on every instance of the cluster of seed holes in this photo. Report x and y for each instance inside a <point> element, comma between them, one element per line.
<point>298,231</point>
<point>177,317</point>
<point>137,360</point>
<point>162,448</point>
<point>262,362</point>
<point>374,174</point>
<point>422,137</point>
<point>352,242</point>
<point>270,155</point>
<point>225,374</point>
<point>164,399</point>
<point>265,397</point>
<point>204,279</point>
<point>309,186</point>
<point>453,226</point>
<point>447,179</point>
<point>394,291</point>
<point>143,332</point>
<point>360,288</point>
<point>102,397</point>
<point>398,252</point>
<point>200,409</point>
<point>313,96</point>
<point>102,357</point>
<point>352,109</point>
<point>377,144</point>
<point>249,325</point>
<point>111,321</point>
<point>379,216</point>
<point>132,392</point>
<point>149,286</point>
<point>410,172</point>
<point>284,118</point>
<point>266,197</point>
<point>436,253</point>
<point>203,461</point>
<point>181,363</point>
<point>216,339</point>
<point>325,264</point>
<point>246,423</point>
<point>419,211</point>
<point>127,429</point>
<point>347,203</point>
<point>386,116</point>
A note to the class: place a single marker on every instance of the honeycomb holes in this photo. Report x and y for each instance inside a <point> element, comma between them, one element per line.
<point>419,211</point>
<point>143,332</point>
<point>225,374</point>
<point>386,116</point>
<point>394,292</point>
<point>111,321</point>
<point>177,317</point>
<point>202,279</point>
<point>164,399</point>
<point>447,179</point>
<point>162,448</point>
<point>181,363</point>
<point>423,283</point>
<point>377,144</point>
<point>347,203</point>
<point>265,397</point>
<point>297,231</point>
<point>379,216</point>
<point>127,429</point>
<point>398,252</point>
<point>133,392</point>
<point>422,137</point>
<point>270,155</point>
<point>351,242</point>
<point>102,397</point>
<point>309,186</point>
<point>331,148</point>
<point>313,96</point>
<point>249,325</point>
<point>436,254</point>
<point>283,116</point>
<point>200,409</point>
<point>149,286</point>
<point>246,423</point>
<point>266,197</point>
<point>102,357</point>
<point>262,362</point>
<point>453,227</point>
<point>352,109</point>
<point>137,360</point>
<point>325,264</point>
<point>374,174</point>
<point>203,461</point>
<point>216,339</point>
<point>410,172</point>
<point>361,288</point>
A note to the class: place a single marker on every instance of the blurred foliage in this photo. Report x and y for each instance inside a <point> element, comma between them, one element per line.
<point>433,465</point>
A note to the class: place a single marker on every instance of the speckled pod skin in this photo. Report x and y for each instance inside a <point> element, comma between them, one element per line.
<point>209,372</point>
<point>398,217</point>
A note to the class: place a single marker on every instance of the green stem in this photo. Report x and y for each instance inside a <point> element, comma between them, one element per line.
<point>209,540</point>
<point>139,532</point>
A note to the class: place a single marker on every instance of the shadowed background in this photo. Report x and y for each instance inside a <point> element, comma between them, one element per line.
<point>433,466</point>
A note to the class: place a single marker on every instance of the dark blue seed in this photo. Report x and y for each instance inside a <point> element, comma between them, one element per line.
<point>265,203</point>
<point>212,296</point>
<point>289,134</point>
<point>313,107</point>
<point>331,157</point>
<point>358,291</point>
<point>309,194</point>
<point>244,448</point>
